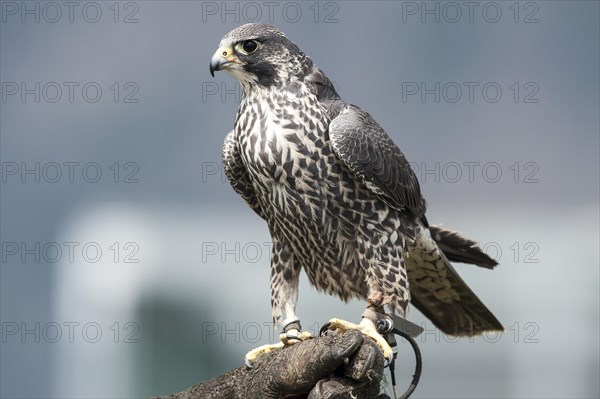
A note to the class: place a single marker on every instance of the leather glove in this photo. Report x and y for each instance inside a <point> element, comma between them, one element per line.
<point>337,366</point>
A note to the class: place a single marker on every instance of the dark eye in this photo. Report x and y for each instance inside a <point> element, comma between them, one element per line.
<point>250,46</point>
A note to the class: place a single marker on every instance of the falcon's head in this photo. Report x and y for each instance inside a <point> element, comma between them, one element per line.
<point>260,55</point>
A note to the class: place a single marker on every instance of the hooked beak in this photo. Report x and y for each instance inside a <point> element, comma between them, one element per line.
<point>221,59</point>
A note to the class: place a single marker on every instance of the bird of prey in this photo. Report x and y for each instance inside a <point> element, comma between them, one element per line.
<point>340,199</point>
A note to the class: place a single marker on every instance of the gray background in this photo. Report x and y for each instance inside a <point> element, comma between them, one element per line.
<point>186,293</point>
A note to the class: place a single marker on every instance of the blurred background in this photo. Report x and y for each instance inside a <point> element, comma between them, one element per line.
<point>131,268</point>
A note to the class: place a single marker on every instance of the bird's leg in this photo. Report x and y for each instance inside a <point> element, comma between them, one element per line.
<point>285,272</point>
<point>376,313</point>
<point>368,325</point>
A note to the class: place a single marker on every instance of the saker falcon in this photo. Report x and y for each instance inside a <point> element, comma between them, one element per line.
<point>339,197</point>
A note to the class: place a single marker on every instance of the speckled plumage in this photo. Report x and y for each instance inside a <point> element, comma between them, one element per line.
<point>339,197</point>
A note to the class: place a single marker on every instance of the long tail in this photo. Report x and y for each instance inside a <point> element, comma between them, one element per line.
<point>460,249</point>
<point>437,290</point>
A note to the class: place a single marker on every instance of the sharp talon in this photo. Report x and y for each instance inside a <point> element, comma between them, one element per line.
<point>324,329</point>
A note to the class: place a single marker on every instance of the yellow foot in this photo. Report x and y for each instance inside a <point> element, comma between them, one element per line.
<point>366,327</point>
<point>286,339</point>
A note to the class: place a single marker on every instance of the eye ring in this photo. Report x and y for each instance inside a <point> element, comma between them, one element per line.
<point>248,47</point>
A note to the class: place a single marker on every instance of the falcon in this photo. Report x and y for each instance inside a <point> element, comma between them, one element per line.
<point>340,199</point>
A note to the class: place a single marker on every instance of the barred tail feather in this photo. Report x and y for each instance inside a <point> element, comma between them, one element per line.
<point>441,295</point>
<point>460,249</point>
<point>467,316</point>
